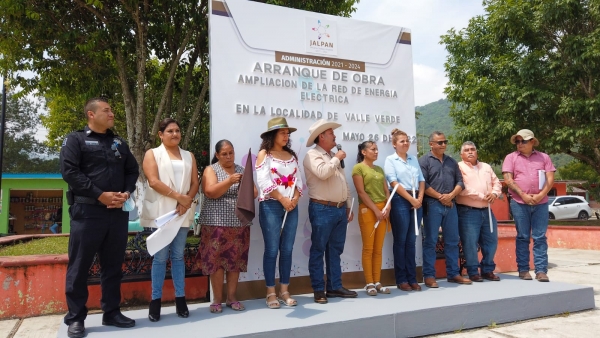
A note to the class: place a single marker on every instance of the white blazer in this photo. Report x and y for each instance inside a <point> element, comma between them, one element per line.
<point>155,204</point>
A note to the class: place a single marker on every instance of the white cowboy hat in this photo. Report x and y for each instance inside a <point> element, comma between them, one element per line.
<point>319,127</point>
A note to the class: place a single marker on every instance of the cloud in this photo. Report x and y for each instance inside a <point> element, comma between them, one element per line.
<point>429,84</point>
<point>427,20</point>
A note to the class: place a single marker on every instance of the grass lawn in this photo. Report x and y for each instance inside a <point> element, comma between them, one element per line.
<point>50,246</point>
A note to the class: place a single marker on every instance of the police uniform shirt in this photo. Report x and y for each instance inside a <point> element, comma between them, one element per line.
<point>92,163</point>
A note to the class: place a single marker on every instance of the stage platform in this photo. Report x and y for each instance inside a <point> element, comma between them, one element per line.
<point>400,314</point>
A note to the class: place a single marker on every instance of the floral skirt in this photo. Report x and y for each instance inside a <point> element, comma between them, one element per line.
<point>223,248</point>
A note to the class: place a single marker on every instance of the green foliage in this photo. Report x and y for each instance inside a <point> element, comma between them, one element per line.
<point>528,64</point>
<point>149,58</point>
<point>579,171</point>
<point>582,171</point>
<point>334,7</point>
<point>435,116</point>
<point>23,153</point>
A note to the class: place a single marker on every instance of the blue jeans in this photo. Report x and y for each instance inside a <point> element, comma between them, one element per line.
<point>474,227</point>
<point>159,266</point>
<point>439,215</point>
<point>402,218</point>
<point>531,222</point>
<point>328,237</point>
<point>270,213</point>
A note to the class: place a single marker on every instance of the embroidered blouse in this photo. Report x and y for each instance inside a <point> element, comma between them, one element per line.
<point>278,174</point>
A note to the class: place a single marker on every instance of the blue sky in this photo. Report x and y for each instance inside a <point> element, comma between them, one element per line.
<point>427,20</point>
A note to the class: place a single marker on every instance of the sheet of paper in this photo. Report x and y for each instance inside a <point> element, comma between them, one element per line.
<point>160,221</point>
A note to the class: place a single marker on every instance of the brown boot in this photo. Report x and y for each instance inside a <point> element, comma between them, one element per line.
<point>542,277</point>
<point>460,280</point>
<point>525,275</point>
<point>430,282</point>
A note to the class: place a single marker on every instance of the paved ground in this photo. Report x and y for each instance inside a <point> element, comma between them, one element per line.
<point>570,266</point>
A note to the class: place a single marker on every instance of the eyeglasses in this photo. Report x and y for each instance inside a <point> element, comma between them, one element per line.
<point>114,148</point>
<point>439,143</point>
<point>522,141</point>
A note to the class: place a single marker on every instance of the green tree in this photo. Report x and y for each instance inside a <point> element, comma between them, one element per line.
<point>149,56</point>
<point>584,172</point>
<point>23,153</point>
<point>528,64</point>
<point>579,171</point>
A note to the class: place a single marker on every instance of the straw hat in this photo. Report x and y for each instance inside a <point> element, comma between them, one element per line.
<point>277,123</point>
<point>319,127</point>
<point>526,134</point>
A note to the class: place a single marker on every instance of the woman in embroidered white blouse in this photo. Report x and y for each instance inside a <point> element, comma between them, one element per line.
<point>280,187</point>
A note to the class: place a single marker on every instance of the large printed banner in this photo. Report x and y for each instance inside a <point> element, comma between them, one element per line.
<point>268,61</point>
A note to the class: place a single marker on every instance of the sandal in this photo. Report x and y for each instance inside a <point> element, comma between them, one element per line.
<point>371,290</point>
<point>382,289</point>
<point>235,306</point>
<point>215,308</point>
<point>289,301</point>
<point>274,304</point>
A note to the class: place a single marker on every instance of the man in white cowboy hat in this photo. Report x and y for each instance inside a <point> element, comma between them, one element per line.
<point>529,176</point>
<point>328,211</point>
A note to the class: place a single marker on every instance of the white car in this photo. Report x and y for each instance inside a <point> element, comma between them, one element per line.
<point>571,206</point>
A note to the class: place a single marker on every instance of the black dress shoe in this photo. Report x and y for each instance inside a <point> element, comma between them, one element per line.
<point>181,307</point>
<point>341,292</point>
<point>76,330</point>
<point>119,321</point>
<point>320,297</point>
<point>154,310</point>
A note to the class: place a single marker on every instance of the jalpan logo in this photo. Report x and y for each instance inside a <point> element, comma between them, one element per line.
<point>321,36</point>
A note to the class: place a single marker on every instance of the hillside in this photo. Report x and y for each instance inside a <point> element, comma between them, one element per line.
<point>436,116</point>
<point>431,117</point>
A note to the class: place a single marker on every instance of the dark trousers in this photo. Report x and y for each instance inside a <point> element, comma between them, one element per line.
<point>95,229</point>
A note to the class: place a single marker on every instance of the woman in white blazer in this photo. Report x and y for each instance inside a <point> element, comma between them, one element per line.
<point>172,176</point>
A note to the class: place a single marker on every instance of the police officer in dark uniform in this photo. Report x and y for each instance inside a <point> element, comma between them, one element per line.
<point>101,173</point>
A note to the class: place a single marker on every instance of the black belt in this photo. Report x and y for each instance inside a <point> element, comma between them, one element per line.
<point>86,200</point>
<point>329,204</point>
<point>468,207</point>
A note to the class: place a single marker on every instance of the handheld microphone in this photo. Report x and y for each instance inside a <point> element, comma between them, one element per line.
<point>339,147</point>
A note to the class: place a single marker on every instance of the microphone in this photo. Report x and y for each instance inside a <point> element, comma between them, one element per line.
<point>339,147</point>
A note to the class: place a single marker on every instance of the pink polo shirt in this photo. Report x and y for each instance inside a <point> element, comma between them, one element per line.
<point>525,172</point>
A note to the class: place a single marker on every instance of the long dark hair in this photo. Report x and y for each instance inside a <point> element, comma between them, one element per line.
<point>218,147</point>
<point>362,146</point>
<point>268,142</point>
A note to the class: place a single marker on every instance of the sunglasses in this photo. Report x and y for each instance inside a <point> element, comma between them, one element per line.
<point>522,141</point>
<point>439,143</point>
<point>114,148</point>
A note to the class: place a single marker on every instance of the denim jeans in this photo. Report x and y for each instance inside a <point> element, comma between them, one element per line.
<point>402,218</point>
<point>439,215</point>
<point>474,227</point>
<point>270,214</point>
<point>328,237</point>
<point>159,265</point>
<point>531,222</point>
